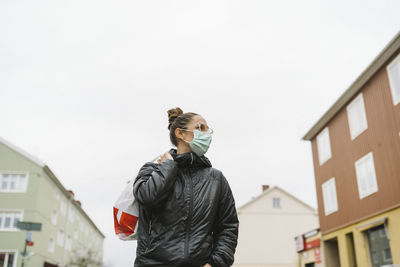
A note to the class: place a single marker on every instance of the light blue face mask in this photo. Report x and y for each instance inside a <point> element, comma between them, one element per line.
<point>201,141</point>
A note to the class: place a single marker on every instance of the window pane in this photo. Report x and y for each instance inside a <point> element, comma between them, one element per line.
<point>10,259</point>
<point>366,177</point>
<point>323,146</point>
<point>387,255</point>
<point>394,74</point>
<point>276,202</point>
<point>51,245</point>
<point>4,182</point>
<point>7,221</point>
<point>363,177</point>
<point>329,196</point>
<point>2,259</point>
<point>22,182</point>
<point>17,218</point>
<point>356,116</point>
<point>13,182</point>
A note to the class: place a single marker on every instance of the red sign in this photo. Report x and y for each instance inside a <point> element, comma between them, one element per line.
<point>317,255</point>
<point>313,244</point>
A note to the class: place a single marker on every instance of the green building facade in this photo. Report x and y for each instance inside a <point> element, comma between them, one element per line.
<point>30,192</point>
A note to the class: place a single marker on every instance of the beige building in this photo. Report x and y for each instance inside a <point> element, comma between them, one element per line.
<point>268,225</point>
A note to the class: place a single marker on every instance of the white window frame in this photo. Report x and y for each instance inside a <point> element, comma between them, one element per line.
<point>51,246</point>
<point>23,190</point>
<point>68,243</point>
<point>54,216</point>
<point>276,203</point>
<point>371,188</point>
<point>76,234</point>
<point>71,214</point>
<point>329,208</point>
<point>60,238</point>
<point>395,96</point>
<point>12,229</point>
<point>56,193</point>
<point>10,251</point>
<point>323,157</point>
<point>359,126</point>
<point>63,206</point>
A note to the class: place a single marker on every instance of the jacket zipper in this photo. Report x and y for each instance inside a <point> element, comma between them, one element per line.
<point>189,220</point>
<point>149,236</point>
<point>150,227</point>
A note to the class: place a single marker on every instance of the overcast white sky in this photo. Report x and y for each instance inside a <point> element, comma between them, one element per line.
<point>85,86</point>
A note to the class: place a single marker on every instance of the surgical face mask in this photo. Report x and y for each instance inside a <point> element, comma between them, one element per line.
<point>201,141</point>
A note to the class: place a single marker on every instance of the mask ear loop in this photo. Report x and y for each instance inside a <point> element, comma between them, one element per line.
<point>186,131</point>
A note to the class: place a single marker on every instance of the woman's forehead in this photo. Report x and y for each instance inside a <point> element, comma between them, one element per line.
<point>196,120</point>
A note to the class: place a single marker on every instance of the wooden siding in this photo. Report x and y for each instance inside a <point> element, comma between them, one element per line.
<point>382,138</point>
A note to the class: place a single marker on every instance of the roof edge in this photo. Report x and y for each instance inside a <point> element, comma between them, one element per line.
<point>54,178</point>
<point>355,87</point>
<point>22,152</point>
<point>283,191</point>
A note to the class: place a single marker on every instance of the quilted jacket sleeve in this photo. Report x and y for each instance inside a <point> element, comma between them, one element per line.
<point>226,229</point>
<point>153,182</point>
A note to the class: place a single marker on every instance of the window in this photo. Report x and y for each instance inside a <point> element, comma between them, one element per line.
<point>324,146</point>
<point>54,217</point>
<point>60,238</point>
<point>56,194</point>
<point>379,247</point>
<point>63,207</point>
<point>394,79</point>
<point>70,214</point>
<point>68,243</point>
<point>276,202</point>
<point>8,259</point>
<point>8,219</point>
<point>357,117</point>
<point>329,196</point>
<point>366,177</point>
<point>51,245</point>
<point>13,182</point>
<point>76,234</point>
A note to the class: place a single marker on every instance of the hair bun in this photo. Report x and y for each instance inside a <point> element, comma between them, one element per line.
<point>173,113</point>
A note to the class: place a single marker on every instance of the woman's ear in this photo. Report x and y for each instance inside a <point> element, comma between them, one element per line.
<point>179,134</point>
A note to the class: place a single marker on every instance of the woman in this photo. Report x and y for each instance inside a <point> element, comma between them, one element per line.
<point>187,211</point>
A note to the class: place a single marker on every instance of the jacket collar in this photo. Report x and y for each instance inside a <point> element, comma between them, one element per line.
<point>190,160</point>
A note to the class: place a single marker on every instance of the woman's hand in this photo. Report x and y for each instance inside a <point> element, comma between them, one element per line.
<point>164,157</point>
<point>207,265</point>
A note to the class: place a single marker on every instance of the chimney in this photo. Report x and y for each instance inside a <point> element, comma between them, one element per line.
<point>265,187</point>
<point>71,193</point>
<point>78,202</point>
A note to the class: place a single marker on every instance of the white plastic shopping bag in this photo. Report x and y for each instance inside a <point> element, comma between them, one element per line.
<point>126,214</point>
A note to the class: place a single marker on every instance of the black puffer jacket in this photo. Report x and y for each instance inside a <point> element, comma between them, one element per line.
<point>187,214</point>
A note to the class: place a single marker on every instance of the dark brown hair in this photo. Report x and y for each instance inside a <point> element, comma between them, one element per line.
<point>178,119</point>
